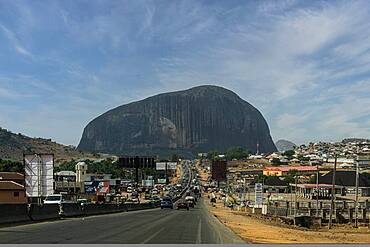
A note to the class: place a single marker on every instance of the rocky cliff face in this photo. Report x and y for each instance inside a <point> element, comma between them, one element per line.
<point>284,145</point>
<point>199,119</point>
<point>12,147</point>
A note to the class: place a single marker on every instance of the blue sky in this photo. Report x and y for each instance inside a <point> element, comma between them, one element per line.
<point>304,64</point>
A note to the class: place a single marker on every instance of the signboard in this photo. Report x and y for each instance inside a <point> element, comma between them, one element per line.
<point>161,166</point>
<point>258,188</point>
<point>218,170</point>
<point>136,162</point>
<point>148,183</point>
<point>161,180</point>
<point>39,174</point>
<point>97,187</point>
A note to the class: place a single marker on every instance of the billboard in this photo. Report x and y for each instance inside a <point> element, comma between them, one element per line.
<point>218,170</point>
<point>97,187</point>
<point>161,180</point>
<point>148,183</point>
<point>258,188</point>
<point>161,166</point>
<point>39,174</point>
<point>136,162</point>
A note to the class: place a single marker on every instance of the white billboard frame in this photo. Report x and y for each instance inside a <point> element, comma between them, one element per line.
<point>39,174</point>
<point>258,190</point>
<point>161,166</point>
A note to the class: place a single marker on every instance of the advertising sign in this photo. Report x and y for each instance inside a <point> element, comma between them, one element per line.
<point>161,180</point>
<point>136,162</point>
<point>218,170</point>
<point>39,174</point>
<point>97,187</point>
<point>161,166</point>
<point>258,188</point>
<point>148,183</point>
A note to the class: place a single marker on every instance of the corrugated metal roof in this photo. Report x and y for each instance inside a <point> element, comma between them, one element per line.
<point>10,185</point>
<point>11,176</point>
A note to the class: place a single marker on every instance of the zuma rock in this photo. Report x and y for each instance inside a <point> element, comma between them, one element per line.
<point>185,122</point>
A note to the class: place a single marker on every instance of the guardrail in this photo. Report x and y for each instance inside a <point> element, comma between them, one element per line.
<point>16,213</point>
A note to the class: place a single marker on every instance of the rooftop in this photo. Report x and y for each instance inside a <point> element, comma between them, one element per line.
<point>290,168</point>
<point>11,176</point>
<point>10,185</point>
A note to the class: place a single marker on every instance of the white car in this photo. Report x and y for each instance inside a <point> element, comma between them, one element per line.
<point>129,190</point>
<point>54,199</point>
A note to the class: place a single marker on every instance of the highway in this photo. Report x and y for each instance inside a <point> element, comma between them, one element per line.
<point>153,226</point>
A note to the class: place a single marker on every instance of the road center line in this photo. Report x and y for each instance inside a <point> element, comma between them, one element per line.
<point>151,236</point>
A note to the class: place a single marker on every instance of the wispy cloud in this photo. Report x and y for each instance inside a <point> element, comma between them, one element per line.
<point>14,41</point>
<point>305,65</point>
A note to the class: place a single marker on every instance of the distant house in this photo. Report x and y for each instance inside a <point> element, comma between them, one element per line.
<point>347,179</point>
<point>273,184</point>
<point>283,170</point>
<point>12,176</point>
<point>12,193</point>
<point>65,181</point>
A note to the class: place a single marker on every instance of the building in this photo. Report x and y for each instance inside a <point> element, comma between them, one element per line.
<point>283,170</point>
<point>309,191</point>
<point>347,180</point>
<point>65,181</point>
<point>12,193</point>
<point>12,176</point>
<point>273,184</point>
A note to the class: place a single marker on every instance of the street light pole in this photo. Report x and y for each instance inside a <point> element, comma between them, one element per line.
<point>295,197</point>
<point>317,191</point>
<point>332,193</point>
<point>356,196</point>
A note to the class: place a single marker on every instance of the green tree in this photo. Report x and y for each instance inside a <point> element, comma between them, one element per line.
<point>289,154</point>
<point>237,153</point>
<point>275,161</point>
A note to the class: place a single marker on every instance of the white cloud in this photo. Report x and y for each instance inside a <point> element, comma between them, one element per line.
<point>302,64</point>
<point>14,41</point>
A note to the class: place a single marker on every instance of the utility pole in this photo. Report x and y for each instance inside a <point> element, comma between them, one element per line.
<point>333,193</point>
<point>356,196</point>
<point>166,176</point>
<point>317,191</point>
<point>295,196</point>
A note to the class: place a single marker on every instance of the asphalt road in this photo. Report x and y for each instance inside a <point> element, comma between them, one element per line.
<point>154,226</point>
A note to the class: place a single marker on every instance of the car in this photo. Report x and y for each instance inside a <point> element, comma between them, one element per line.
<point>190,200</point>
<point>129,189</point>
<point>154,191</point>
<point>135,194</point>
<point>54,199</point>
<point>155,199</point>
<point>82,201</point>
<point>129,201</point>
<point>182,205</point>
<point>166,202</point>
<point>135,200</point>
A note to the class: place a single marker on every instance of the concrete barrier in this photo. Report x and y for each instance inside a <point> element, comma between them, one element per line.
<point>44,212</point>
<point>71,209</point>
<point>13,213</point>
<point>93,209</point>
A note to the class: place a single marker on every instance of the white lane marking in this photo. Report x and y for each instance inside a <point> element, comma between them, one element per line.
<point>199,237</point>
<point>151,236</point>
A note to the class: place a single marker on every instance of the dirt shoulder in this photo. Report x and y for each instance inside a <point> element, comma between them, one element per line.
<point>178,175</point>
<point>256,229</point>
